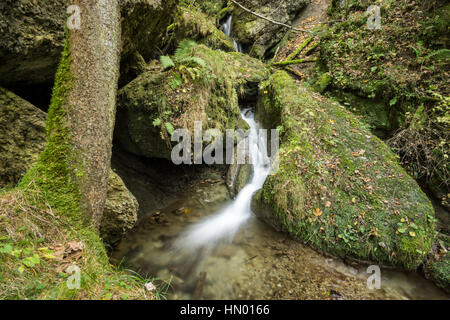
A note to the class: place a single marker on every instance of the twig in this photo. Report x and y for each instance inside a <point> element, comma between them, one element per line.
<point>299,49</point>
<point>298,74</point>
<point>270,20</point>
<point>312,48</point>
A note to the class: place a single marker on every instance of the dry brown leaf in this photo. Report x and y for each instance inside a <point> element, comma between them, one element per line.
<point>317,212</point>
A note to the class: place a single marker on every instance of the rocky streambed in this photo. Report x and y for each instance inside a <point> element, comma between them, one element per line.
<point>259,263</point>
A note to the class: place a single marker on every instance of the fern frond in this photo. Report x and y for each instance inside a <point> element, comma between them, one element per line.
<point>439,54</point>
<point>166,62</point>
<point>184,49</point>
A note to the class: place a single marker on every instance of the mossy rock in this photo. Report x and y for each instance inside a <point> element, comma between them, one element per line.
<point>259,35</point>
<point>196,25</point>
<point>22,137</point>
<point>203,86</point>
<point>339,188</point>
<point>437,267</point>
<point>121,210</point>
<point>404,65</point>
<point>32,36</point>
<point>439,272</point>
<point>373,112</point>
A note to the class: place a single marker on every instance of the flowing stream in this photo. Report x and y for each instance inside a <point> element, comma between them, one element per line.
<point>227,28</point>
<point>226,223</point>
<point>205,245</point>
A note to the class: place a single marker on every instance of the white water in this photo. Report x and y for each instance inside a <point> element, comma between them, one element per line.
<point>227,222</point>
<point>227,28</point>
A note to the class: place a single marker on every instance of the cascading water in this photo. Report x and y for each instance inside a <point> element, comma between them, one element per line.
<point>226,223</point>
<point>227,28</point>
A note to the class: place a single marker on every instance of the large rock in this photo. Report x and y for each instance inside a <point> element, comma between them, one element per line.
<point>258,35</point>
<point>203,86</point>
<point>121,210</point>
<point>339,188</point>
<point>32,35</point>
<point>196,25</point>
<point>22,139</point>
<point>31,40</point>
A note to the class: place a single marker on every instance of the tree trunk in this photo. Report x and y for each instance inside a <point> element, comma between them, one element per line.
<point>72,171</point>
<point>91,102</point>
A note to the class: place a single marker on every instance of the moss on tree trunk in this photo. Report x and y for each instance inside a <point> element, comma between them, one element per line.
<point>73,170</point>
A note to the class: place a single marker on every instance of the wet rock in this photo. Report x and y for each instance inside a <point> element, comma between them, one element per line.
<point>120,213</point>
<point>259,35</point>
<point>238,175</point>
<point>22,137</point>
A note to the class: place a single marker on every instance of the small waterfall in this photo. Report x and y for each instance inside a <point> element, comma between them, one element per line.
<point>227,222</point>
<point>227,28</point>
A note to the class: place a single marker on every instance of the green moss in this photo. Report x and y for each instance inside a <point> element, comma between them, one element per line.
<point>51,174</point>
<point>193,24</point>
<point>338,187</point>
<point>204,85</point>
<point>399,67</point>
<point>324,81</point>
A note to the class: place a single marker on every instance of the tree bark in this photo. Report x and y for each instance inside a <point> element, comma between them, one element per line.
<point>91,100</point>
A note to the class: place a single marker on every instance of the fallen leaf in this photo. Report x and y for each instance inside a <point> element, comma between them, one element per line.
<point>317,212</point>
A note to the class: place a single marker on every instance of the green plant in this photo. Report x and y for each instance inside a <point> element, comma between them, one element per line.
<point>166,62</point>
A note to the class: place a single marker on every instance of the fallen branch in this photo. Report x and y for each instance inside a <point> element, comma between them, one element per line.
<point>268,19</point>
<point>299,49</point>
<point>311,49</point>
<point>298,74</point>
<point>291,62</point>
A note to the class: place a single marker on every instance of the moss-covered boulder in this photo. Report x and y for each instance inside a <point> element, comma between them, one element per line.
<point>258,35</point>
<point>196,25</point>
<point>22,137</point>
<point>32,36</point>
<point>339,188</point>
<point>199,84</point>
<point>144,23</point>
<point>121,210</point>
